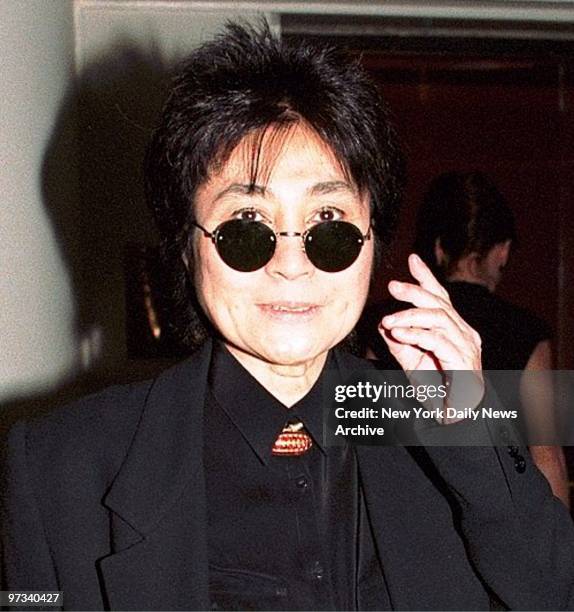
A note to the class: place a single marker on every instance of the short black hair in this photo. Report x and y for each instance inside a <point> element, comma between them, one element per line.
<point>243,83</point>
<point>467,213</point>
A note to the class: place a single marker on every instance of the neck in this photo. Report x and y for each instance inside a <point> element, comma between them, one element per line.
<point>467,278</point>
<point>468,270</point>
<point>288,383</point>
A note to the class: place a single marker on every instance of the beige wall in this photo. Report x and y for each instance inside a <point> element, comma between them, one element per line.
<point>37,338</point>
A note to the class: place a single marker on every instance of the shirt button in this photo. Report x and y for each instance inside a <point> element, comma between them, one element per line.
<point>302,482</point>
<point>317,571</point>
<point>520,464</point>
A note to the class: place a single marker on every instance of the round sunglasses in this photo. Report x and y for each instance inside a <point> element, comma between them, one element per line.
<point>246,246</point>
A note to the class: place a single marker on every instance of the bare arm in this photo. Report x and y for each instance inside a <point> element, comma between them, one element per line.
<point>538,402</point>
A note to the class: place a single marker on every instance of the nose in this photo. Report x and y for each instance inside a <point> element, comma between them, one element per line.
<point>289,260</point>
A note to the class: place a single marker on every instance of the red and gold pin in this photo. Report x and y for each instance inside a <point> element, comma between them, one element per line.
<point>293,440</point>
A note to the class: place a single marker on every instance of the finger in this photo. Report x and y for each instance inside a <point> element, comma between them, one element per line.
<point>450,355</point>
<point>422,298</point>
<point>427,318</point>
<point>436,319</point>
<point>417,295</point>
<point>401,350</point>
<point>410,357</point>
<point>427,280</point>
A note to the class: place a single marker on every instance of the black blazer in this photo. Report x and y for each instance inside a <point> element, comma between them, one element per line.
<point>105,500</point>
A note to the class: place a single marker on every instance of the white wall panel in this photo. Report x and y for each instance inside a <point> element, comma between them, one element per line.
<point>37,334</point>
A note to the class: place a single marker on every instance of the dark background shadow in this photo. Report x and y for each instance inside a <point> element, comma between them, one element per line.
<point>92,189</point>
<point>118,101</point>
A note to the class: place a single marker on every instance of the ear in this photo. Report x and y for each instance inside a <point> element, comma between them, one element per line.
<point>439,254</point>
<point>187,258</point>
<point>505,252</point>
<point>499,254</point>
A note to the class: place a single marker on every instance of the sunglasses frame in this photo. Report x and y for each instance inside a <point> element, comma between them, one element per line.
<point>303,235</point>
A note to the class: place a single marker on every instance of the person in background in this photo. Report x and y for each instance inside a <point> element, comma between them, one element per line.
<point>465,232</point>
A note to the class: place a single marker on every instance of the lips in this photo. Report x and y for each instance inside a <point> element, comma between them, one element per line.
<point>282,308</point>
<point>290,310</point>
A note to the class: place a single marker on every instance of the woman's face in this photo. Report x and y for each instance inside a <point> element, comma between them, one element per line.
<point>287,313</point>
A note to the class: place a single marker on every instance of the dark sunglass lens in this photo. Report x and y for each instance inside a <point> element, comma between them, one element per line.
<point>245,246</point>
<point>333,246</point>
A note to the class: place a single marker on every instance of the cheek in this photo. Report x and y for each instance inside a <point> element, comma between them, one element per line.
<point>366,278</point>
<point>208,275</point>
<point>219,289</point>
<point>353,288</point>
<point>365,272</point>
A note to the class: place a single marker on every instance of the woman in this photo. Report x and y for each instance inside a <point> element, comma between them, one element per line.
<point>273,176</point>
<point>465,232</point>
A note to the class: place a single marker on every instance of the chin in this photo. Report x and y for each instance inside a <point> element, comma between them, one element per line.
<point>294,350</point>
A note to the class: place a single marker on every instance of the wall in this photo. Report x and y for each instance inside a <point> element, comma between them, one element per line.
<point>37,336</point>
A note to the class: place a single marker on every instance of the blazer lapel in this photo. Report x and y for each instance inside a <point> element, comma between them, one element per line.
<point>157,501</point>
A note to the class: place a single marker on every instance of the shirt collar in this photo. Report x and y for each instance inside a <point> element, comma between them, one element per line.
<point>258,415</point>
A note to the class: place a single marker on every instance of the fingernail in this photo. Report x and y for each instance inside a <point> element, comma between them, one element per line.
<point>389,319</point>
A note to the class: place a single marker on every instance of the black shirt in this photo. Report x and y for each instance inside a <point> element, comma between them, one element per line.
<point>509,333</point>
<point>283,531</point>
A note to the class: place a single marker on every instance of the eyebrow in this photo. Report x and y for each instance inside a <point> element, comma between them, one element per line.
<point>329,187</point>
<point>241,189</point>
<point>324,188</point>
